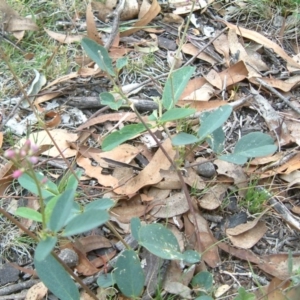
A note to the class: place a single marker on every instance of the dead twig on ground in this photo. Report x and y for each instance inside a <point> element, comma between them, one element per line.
<point>275,92</point>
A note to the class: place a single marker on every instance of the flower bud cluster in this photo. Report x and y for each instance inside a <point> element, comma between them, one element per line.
<point>26,153</point>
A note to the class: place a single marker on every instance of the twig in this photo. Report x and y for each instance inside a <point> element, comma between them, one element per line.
<point>115,26</point>
<point>204,47</point>
<point>274,91</point>
<point>20,286</point>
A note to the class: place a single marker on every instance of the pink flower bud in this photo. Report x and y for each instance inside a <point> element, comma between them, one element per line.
<point>27,143</point>
<point>9,153</point>
<point>34,148</point>
<point>33,159</point>
<point>16,174</point>
<point>44,180</point>
<point>23,153</point>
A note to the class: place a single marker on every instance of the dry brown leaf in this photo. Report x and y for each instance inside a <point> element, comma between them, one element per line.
<point>202,94</point>
<point>194,180</point>
<point>61,79</point>
<point>1,139</point>
<point>149,175</point>
<point>125,213</point>
<point>91,28</point>
<point>211,253</point>
<point>146,19</point>
<point>131,117</point>
<point>252,65</point>
<point>214,79</point>
<point>61,136</point>
<point>233,171</point>
<point>84,267</point>
<point>64,38</point>
<point>232,75</point>
<point>95,172</point>
<point>49,96</point>
<point>175,205</point>
<point>248,238</point>
<point>193,50</point>
<point>260,39</point>
<point>124,153</point>
<point>285,86</point>
<point>55,119</point>
<point>202,105</point>
<point>221,46</point>
<point>294,128</point>
<point>36,292</point>
<point>92,242</point>
<point>213,197</point>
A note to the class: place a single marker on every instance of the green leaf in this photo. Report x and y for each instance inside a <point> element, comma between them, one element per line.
<point>129,274</point>
<point>176,114</point>
<point>160,241</point>
<point>44,248</point>
<point>116,138</point>
<point>56,279</point>
<point>61,210</point>
<point>216,140</point>
<point>191,256</point>
<point>135,225</point>
<point>109,100</point>
<point>99,55</point>
<point>213,121</point>
<point>106,280</point>
<point>48,189</point>
<point>204,297</point>
<point>175,85</point>
<point>72,182</point>
<point>243,295</point>
<point>104,203</point>
<point>203,280</point>
<point>29,213</point>
<point>121,63</point>
<point>255,144</point>
<point>234,158</point>
<point>183,138</point>
<point>86,221</point>
<point>75,211</point>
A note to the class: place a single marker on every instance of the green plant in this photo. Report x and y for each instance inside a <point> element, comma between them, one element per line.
<point>60,216</point>
<point>252,145</point>
<point>255,198</point>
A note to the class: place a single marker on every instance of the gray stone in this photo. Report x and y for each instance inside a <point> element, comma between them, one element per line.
<point>69,257</point>
<point>206,169</point>
<point>8,274</point>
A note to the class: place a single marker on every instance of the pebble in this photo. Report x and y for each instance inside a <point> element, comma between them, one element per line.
<point>206,169</point>
<point>69,257</point>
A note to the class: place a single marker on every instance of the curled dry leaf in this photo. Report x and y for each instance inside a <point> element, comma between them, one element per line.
<point>175,205</point>
<point>149,174</point>
<point>235,172</point>
<point>210,249</point>
<point>230,76</point>
<point>248,238</point>
<point>260,39</point>
<point>61,136</point>
<point>213,197</point>
<point>64,38</point>
<point>91,28</point>
<point>193,50</point>
<point>106,7</point>
<point>153,11</point>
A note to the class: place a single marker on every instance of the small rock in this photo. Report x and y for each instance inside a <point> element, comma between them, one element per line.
<point>69,257</point>
<point>8,274</point>
<point>206,169</point>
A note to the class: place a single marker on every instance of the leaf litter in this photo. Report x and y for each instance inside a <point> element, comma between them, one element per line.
<point>145,185</point>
